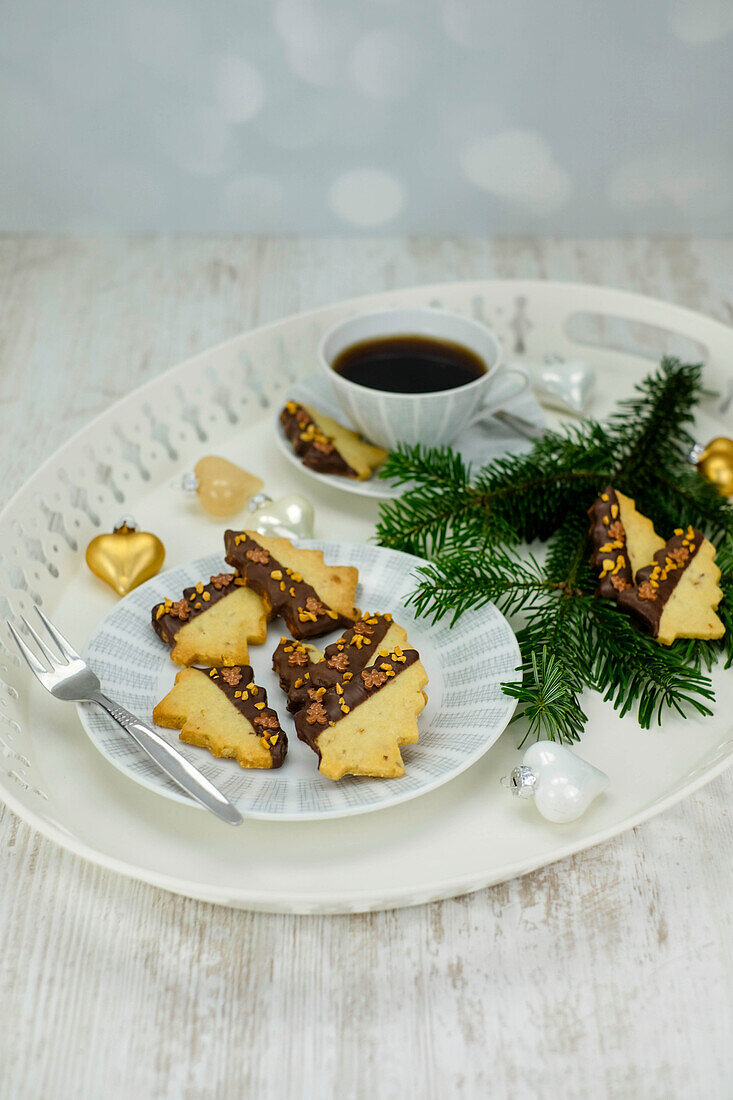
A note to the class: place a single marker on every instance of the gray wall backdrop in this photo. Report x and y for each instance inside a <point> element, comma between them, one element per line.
<point>334,116</point>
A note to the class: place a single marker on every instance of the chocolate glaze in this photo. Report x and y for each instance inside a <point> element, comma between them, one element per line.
<point>604,514</point>
<point>258,577</point>
<point>370,627</point>
<point>294,679</point>
<point>317,451</point>
<point>300,681</point>
<point>248,707</point>
<point>353,693</point>
<point>648,599</point>
<point>166,626</point>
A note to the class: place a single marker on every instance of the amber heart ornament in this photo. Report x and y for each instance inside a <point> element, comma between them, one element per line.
<point>126,557</point>
<point>223,488</point>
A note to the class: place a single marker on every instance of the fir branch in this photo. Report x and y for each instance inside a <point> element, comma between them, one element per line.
<point>649,429</point>
<point>570,640</point>
<point>424,520</point>
<point>516,498</point>
<point>438,465</point>
<point>556,632</point>
<point>683,498</point>
<point>548,698</point>
<point>567,563</point>
<point>531,493</point>
<point>638,673</point>
<point>461,579</point>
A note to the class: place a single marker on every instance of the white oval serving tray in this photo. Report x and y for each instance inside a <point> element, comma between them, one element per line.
<point>467,834</point>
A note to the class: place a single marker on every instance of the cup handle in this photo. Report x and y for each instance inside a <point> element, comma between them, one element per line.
<point>489,406</point>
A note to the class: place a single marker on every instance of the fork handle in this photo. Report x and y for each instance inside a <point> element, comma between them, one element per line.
<point>172,762</point>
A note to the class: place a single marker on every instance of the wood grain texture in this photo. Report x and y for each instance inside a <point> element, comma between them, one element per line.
<point>606,975</point>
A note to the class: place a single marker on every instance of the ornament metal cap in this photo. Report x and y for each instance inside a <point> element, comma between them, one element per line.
<point>521,781</point>
<point>125,523</point>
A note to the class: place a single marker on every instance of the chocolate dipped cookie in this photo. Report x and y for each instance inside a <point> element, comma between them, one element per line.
<point>213,623</point>
<point>224,711</point>
<point>676,595</point>
<point>357,726</point>
<point>324,445</point>
<point>311,596</point>
<point>623,541</point>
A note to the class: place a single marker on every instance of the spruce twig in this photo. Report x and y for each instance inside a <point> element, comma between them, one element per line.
<point>570,640</point>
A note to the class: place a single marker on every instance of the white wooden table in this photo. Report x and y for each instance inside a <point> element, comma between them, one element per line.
<point>609,974</point>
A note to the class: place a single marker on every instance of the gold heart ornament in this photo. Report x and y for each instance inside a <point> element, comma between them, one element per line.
<point>126,558</point>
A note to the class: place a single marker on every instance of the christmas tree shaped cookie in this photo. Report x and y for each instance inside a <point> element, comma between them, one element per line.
<point>676,595</point>
<point>212,623</point>
<point>357,726</point>
<point>324,445</point>
<point>623,540</point>
<point>312,597</point>
<point>224,711</point>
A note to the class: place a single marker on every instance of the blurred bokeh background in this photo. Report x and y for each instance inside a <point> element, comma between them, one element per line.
<point>600,117</point>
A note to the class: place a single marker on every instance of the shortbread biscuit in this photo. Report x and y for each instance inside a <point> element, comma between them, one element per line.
<point>312,597</point>
<point>624,541</point>
<point>357,726</point>
<point>212,623</point>
<point>224,711</point>
<point>324,445</point>
<point>676,595</point>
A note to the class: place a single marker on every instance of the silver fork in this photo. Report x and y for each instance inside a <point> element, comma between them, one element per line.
<point>67,676</point>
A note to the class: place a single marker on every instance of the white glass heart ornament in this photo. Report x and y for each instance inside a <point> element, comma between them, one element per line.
<point>562,784</point>
<point>567,386</point>
<point>289,517</point>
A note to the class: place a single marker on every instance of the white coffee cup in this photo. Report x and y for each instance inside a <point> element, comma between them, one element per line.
<point>431,418</point>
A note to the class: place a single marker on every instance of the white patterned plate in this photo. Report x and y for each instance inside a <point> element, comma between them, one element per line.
<point>480,443</point>
<point>466,711</point>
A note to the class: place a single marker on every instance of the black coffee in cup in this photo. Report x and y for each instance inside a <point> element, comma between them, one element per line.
<point>409,364</point>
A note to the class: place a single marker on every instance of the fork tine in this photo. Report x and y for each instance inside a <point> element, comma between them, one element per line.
<point>63,643</point>
<point>51,658</point>
<point>31,660</point>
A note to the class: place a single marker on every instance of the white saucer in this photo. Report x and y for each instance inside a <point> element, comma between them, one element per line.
<point>482,442</point>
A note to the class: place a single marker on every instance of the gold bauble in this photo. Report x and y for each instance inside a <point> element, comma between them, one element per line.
<point>126,557</point>
<point>716,463</point>
<point>222,487</point>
